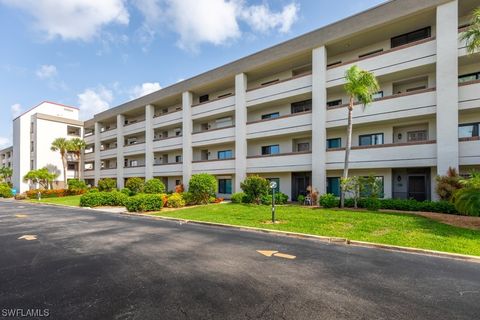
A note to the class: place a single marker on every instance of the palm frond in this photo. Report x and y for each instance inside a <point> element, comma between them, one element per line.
<point>471,36</point>
<point>467,201</point>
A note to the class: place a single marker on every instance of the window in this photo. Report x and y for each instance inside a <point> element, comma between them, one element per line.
<point>301,106</point>
<point>334,143</point>
<point>273,149</point>
<point>333,186</point>
<point>371,139</point>
<point>377,95</point>
<point>178,159</point>
<point>133,163</point>
<point>73,131</point>
<point>71,166</point>
<point>468,130</point>
<point>178,132</point>
<point>223,122</point>
<point>469,77</point>
<point>303,147</point>
<point>32,147</point>
<point>277,180</point>
<point>203,98</point>
<point>366,192</point>
<point>177,182</point>
<point>411,37</point>
<point>225,186</point>
<point>420,135</point>
<point>370,53</point>
<point>334,103</point>
<point>226,154</point>
<point>270,115</point>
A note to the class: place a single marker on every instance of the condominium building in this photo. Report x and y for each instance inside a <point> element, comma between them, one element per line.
<point>33,134</point>
<point>280,113</point>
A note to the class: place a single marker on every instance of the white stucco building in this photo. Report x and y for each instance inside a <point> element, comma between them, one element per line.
<point>280,112</point>
<point>33,134</point>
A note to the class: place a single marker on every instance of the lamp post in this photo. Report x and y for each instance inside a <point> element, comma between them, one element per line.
<point>273,186</point>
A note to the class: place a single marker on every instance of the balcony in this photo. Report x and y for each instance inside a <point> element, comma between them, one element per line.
<point>213,136</point>
<point>89,139</point>
<point>134,127</point>
<point>168,169</point>
<point>170,143</point>
<point>89,157</point>
<point>469,95</point>
<point>289,124</point>
<point>111,152</point>
<point>168,119</point>
<point>294,86</point>
<point>416,103</point>
<point>284,162</point>
<point>134,148</point>
<point>108,172</point>
<point>400,155</point>
<point>212,107</point>
<point>469,151</point>
<point>137,171</point>
<point>408,56</point>
<point>217,166</point>
<point>108,134</point>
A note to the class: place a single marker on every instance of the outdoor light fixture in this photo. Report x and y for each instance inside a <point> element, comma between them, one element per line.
<point>273,186</point>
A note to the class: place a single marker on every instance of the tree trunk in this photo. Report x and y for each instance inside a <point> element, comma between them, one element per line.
<point>64,162</point>
<point>347,150</point>
<point>79,158</point>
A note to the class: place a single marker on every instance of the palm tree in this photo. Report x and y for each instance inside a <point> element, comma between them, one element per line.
<point>63,146</point>
<point>472,35</point>
<point>361,85</point>
<point>77,147</point>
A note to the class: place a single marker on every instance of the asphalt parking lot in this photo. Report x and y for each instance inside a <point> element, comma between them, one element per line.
<point>82,264</point>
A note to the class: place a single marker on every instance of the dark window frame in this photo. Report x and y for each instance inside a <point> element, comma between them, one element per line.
<point>475,131</point>
<point>329,187</point>
<point>371,140</point>
<point>334,103</point>
<point>476,74</point>
<point>203,98</point>
<point>411,37</point>
<point>224,152</point>
<point>334,139</point>
<point>301,106</point>
<point>272,115</point>
<point>224,186</point>
<point>267,150</point>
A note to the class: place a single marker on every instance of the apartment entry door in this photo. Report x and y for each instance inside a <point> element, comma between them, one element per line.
<point>300,182</point>
<point>417,188</point>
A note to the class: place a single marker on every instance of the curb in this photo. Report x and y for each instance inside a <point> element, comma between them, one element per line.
<point>333,240</point>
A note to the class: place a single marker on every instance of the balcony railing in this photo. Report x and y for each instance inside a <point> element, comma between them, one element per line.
<point>213,136</point>
<point>283,162</point>
<point>287,124</point>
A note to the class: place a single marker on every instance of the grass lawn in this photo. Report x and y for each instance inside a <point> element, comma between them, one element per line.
<point>388,228</point>
<point>73,201</point>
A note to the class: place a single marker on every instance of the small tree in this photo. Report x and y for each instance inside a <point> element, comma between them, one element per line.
<point>6,174</point>
<point>447,185</point>
<point>255,187</point>
<point>107,184</point>
<point>351,186</point>
<point>201,187</point>
<point>154,186</point>
<point>77,146</point>
<point>135,185</point>
<point>41,176</point>
<point>63,146</point>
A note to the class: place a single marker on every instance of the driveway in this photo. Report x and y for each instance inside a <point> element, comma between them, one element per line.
<point>83,264</point>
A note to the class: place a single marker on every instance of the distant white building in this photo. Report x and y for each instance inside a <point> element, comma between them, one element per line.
<point>33,134</point>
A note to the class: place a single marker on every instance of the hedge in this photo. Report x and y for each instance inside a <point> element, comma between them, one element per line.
<point>53,193</point>
<point>98,199</point>
<point>238,197</point>
<point>5,191</point>
<point>144,202</point>
<point>408,205</point>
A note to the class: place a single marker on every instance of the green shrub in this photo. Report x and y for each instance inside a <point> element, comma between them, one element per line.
<point>5,191</point>
<point>187,196</point>
<point>467,201</point>
<point>408,205</point>
<point>238,197</point>
<point>104,198</point>
<point>136,185</point>
<point>144,203</point>
<point>107,184</point>
<point>254,187</point>
<point>93,190</point>
<point>280,198</point>
<point>328,200</point>
<point>372,204</point>
<point>126,192</point>
<point>153,186</point>
<point>301,199</point>
<point>175,200</point>
<point>76,185</point>
<point>201,187</point>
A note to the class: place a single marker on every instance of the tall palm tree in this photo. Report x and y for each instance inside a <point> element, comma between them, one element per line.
<point>361,85</point>
<point>472,34</point>
<point>77,147</point>
<point>63,146</point>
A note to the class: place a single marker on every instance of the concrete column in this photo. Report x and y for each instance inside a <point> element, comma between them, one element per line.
<point>149,113</point>
<point>120,157</point>
<point>240,130</point>
<point>319,132</point>
<point>447,87</point>
<point>187,156</point>
<point>97,146</point>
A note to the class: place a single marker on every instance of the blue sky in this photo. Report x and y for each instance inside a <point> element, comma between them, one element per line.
<point>98,54</point>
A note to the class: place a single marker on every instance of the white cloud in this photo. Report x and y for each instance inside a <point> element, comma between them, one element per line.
<point>16,110</point>
<point>211,21</point>
<point>73,19</point>
<point>92,101</point>
<point>261,18</point>
<point>46,71</point>
<point>4,142</point>
<point>144,89</point>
